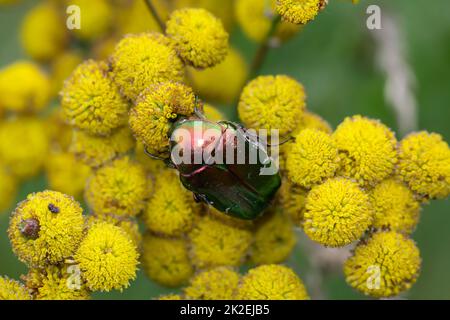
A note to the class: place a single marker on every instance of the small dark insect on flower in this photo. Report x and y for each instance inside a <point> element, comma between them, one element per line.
<point>30,228</point>
<point>53,208</point>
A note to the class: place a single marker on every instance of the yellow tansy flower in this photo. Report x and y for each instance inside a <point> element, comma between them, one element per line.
<point>23,146</point>
<point>128,224</point>
<point>144,59</point>
<point>312,158</point>
<point>367,150</point>
<point>215,284</point>
<point>171,297</point>
<point>425,164</point>
<point>43,33</point>
<point>165,260</point>
<point>271,282</point>
<point>200,38</point>
<point>23,87</point>
<point>300,11</point>
<point>272,102</point>
<point>274,239</point>
<point>156,109</point>
<point>91,101</point>
<point>337,213</point>
<point>119,188</point>
<point>107,258</point>
<point>383,266</point>
<point>171,209</point>
<point>394,206</point>
<point>217,244</point>
<point>13,290</point>
<point>57,283</point>
<point>46,228</point>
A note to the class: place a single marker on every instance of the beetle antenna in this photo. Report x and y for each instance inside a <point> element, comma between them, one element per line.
<point>281,143</point>
<point>255,136</point>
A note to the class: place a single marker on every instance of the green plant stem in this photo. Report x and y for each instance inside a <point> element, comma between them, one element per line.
<point>155,14</point>
<point>263,49</point>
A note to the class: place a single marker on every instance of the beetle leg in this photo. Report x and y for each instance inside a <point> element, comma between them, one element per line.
<point>153,156</point>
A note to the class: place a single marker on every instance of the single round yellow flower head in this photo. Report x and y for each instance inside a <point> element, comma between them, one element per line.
<point>96,151</point>
<point>424,164</point>
<point>212,113</point>
<point>144,59</point>
<point>199,37</point>
<point>385,265</point>
<point>107,258</point>
<point>46,228</point>
<point>23,146</point>
<point>292,199</point>
<point>300,11</point>
<point>96,18</point>
<point>155,110</point>
<point>171,209</point>
<point>395,207</point>
<point>274,239</point>
<point>62,67</point>
<point>255,18</point>
<point>119,188</point>
<point>214,243</point>
<point>57,283</point>
<point>308,120</point>
<point>367,150</point>
<point>8,188</point>
<point>13,290</point>
<point>129,225</point>
<point>91,101</point>
<point>153,166</point>
<point>219,283</point>
<point>171,297</point>
<point>271,282</point>
<point>222,83</point>
<point>59,132</point>
<point>337,213</point>
<point>221,9</point>
<point>135,16</point>
<point>312,158</point>
<point>166,260</point>
<point>272,102</point>
<point>23,87</point>
<point>43,33</point>
<point>66,174</point>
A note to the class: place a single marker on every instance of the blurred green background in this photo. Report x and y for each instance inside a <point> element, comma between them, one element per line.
<point>334,57</point>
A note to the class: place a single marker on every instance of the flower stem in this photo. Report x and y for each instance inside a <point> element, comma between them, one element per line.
<point>155,14</point>
<point>263,49</point>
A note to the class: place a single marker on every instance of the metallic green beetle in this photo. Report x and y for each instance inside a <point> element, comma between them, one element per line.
<point>217,162</point>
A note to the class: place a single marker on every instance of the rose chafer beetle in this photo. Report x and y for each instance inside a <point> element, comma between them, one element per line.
<point>223,165</point>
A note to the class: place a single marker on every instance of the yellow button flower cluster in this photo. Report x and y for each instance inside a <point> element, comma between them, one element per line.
<point>69,255</point>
